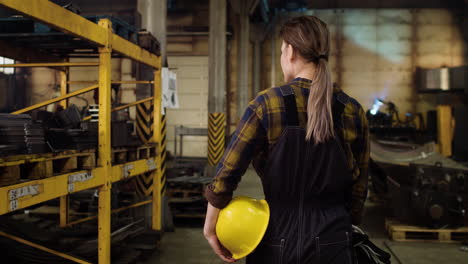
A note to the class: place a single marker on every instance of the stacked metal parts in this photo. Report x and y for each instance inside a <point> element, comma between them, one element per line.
<point>20,135</point>
<point>64,130</point>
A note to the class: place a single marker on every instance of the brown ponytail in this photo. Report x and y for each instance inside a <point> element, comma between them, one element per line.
<point>310,38</point>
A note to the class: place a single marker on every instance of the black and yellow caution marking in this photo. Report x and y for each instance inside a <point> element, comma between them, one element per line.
<point>216,137</point>
<point>144,182</point>
<point>144,121</point>
<point>162,154</point>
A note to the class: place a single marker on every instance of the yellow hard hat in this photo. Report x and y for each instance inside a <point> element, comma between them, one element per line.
<point>242,224</point>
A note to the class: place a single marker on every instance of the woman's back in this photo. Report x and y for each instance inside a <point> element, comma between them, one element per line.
<point>306,185</point>
<point>308,142</point>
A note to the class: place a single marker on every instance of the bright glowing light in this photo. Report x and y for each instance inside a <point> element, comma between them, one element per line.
<point>376,106</point>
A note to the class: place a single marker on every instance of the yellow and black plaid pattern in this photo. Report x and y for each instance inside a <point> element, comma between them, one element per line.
<point>216,135</point>
<point>261,127</point>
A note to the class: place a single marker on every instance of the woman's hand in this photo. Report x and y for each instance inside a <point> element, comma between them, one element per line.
<point>209,231</point>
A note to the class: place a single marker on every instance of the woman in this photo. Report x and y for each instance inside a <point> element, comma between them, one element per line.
<point>309,144</point>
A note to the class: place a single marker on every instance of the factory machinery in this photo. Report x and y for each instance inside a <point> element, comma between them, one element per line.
<point>69,177</point>
<point>425,185</point>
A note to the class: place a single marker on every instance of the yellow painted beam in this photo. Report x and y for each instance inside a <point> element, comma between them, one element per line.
<point>56,99</point>
<point>64,210</point>
<point>157,199</point>
<point>132,104</point>
<point>64,200</point>
<point>58,186</point>
<point>115,82</point>
<point>104,148</point>
<point>51,251</point>
<point>60,18</point>
<point>49,188</point>
<point>131,169</point>
<point>50,64</point>
<point>125,106</point>
<point>445,129</point>
<point>64,87</point>
<point>135,52</point>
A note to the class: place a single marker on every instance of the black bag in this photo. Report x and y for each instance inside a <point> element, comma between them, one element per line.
<point>366,252</point>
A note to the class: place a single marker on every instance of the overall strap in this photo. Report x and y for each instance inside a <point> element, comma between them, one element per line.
<point>290,105</point>
<point>340,100</point>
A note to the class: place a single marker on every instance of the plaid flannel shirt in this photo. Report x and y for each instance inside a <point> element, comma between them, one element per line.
<point>261,127</point>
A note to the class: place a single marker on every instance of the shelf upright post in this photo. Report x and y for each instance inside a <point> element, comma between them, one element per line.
<point>64,200</point>
<point>157,201</point>
<point>64,210</point>
<point>64,87</point>
<point>104,149</point>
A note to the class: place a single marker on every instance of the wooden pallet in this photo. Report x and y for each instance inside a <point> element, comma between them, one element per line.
<point>39,166</point>
<point>123,155</point>
<point>400,232</point>
<point>15,168</point>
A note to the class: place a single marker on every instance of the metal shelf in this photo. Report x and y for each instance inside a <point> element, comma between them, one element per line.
<point>73,24</point>
<point>105,45</point>
<point>23,195</point>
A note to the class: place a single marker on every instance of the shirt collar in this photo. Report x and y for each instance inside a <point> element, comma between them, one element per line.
<point>301,82</point>
<point>305,83</point>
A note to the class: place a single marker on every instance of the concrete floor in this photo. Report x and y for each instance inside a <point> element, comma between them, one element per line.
<point>187,244</point>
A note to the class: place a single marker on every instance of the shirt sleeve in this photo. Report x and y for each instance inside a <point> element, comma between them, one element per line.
<point>360,148</point>
<point>237,156</point>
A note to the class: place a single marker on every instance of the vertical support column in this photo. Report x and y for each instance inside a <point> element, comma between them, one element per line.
<point>216,136</point>
<point>273,57</point>
<point>154,17</point>
<point>64,212</point>
<point>257,62</point>
<point>258,34</point>
<point>217,83</point>
<point>444,129</point>
<point>104,209</point>
<point>243,57</point>
<point>339,47</point>
<point>154,14</point>
<point>415,51</point>
<point>64,87</point>
<point>64,200</point>
<point>157,201</point>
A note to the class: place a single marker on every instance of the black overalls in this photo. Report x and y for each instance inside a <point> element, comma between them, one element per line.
<point>307,187</point>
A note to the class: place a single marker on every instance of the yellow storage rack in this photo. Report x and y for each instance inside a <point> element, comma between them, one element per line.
<point>26,194</point>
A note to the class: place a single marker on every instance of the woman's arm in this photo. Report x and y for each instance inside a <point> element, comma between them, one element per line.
<point>209,231</point>
<point>233,165</point>
<point>237,156</point>
<point>361,151</point>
